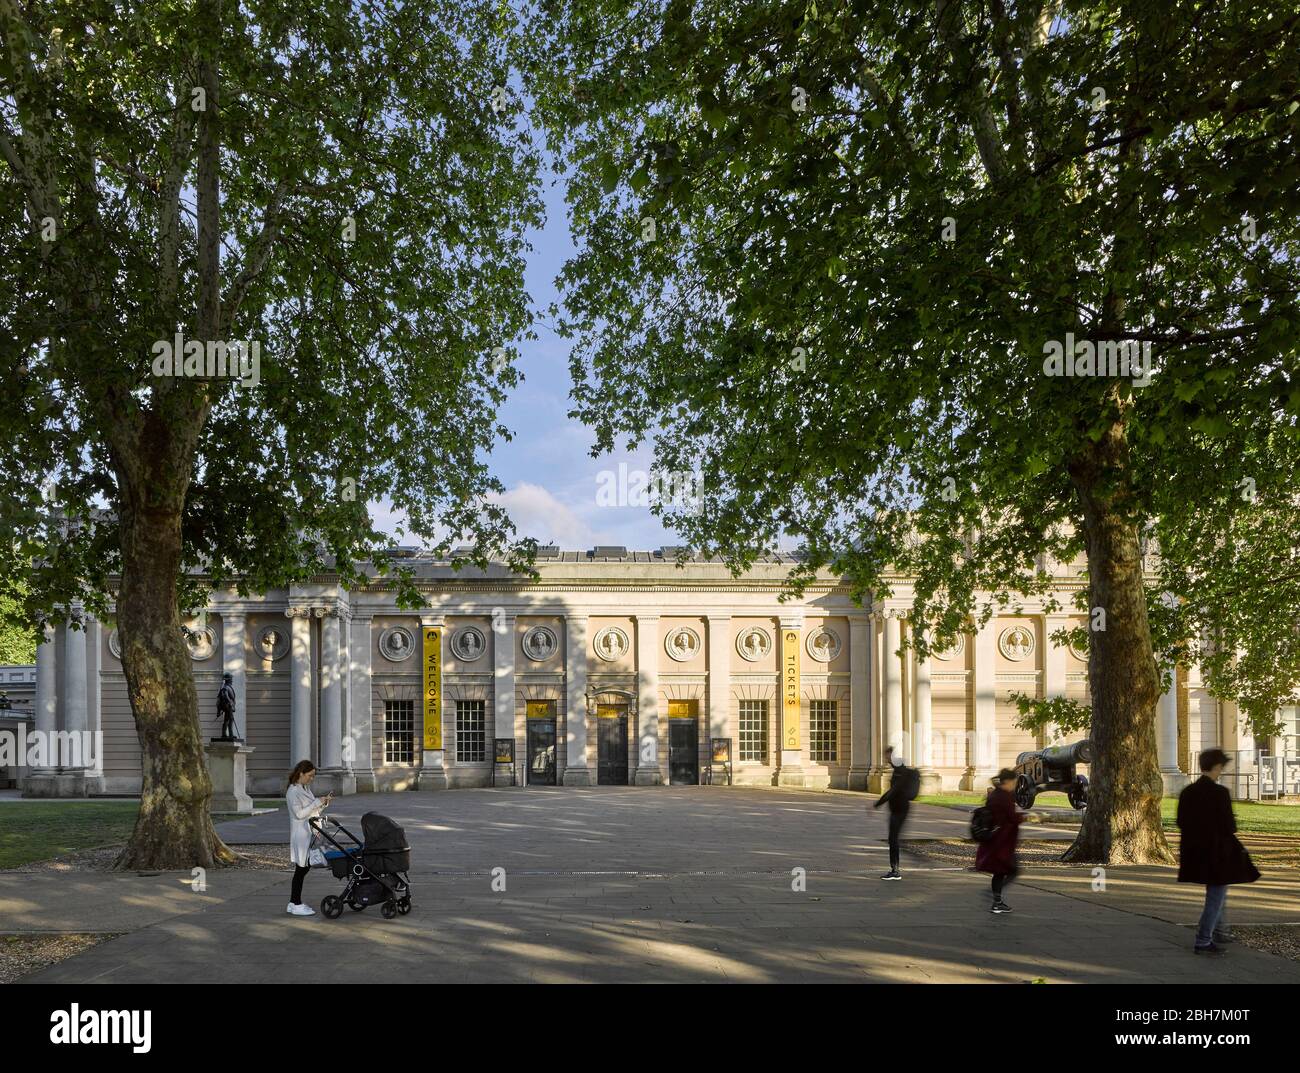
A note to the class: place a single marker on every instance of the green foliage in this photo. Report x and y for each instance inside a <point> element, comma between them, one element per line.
<point>17,636</point>
<point>955,197</point>
<point>377,372</point>
<point>1064,713</point>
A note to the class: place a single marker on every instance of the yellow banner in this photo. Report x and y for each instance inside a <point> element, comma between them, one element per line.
<point>790,689</point>
<point>432,688</point>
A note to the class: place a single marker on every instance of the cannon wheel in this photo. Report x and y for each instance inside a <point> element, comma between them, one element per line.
<point>1078,793</point>
<point>1025,792</point>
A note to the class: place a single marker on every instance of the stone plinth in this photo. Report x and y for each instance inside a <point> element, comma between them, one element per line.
<point>228,769</point>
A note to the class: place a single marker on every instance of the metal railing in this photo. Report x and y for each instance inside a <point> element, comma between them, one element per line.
<point>1258,775</point>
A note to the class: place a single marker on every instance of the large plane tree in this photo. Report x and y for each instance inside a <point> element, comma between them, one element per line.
<point>889,277</point>
<point>261,265</point>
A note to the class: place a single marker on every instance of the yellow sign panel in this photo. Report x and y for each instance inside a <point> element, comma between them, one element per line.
<point>611,711</point>
<point>539,709</point>
<point>433,687</point>
<point>683,709</point>
<point>790,689</point>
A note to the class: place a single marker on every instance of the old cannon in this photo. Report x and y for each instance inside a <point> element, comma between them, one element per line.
<point>1053,769</point>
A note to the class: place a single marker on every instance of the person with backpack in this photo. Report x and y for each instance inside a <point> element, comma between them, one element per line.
<point>1209,851</point>
<point>904,785</point>
<point>996,826</point>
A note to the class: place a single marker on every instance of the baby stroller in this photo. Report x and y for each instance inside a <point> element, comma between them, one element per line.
<point>375,866</point>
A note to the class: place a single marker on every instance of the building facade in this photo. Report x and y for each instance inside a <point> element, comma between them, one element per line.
<point>609,668</point>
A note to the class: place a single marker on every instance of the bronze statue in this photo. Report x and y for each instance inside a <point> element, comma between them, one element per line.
<point>226,710</point>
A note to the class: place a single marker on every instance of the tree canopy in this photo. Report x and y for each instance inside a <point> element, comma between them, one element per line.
<point>262,265</point>
<point>843,258</point>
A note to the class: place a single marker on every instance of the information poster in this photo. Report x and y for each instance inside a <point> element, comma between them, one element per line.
<point>432,688</point>
<point>790,690</point>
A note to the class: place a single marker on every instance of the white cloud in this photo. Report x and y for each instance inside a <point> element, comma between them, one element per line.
<point>539,514</point>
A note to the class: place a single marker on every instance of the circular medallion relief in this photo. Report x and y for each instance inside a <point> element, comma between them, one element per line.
<point>201,641</point>
<point>954,651</point>
<point>823,644</point>
<point>611,643</point>
<point>468,644</point>
<point>1079,650</point>
<point>540,643</point>
<point>682,643</point>
<point>272,642</point>
<point>396,644</point>
<point>1016,643</point>
<point>753,643</point>
<point>115,644</point>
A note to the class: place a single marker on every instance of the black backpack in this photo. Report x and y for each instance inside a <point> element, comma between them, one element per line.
<point>911,784</point>
<point>981,824</point>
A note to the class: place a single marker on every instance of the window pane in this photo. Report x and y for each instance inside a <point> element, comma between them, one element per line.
<point>471,731</point>
<point>753,730</point>
<point>399,731</point>
<point>823,725</point>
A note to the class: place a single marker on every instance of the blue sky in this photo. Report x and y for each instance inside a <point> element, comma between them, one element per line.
<point>550,479</point>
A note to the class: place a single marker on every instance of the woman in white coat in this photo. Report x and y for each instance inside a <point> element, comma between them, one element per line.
<point>303,805</point>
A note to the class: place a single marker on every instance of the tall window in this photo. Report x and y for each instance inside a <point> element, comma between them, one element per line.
<point>823,731</point>
<point>471,731</point>
<point>753,730</point>
<point>399,732</point>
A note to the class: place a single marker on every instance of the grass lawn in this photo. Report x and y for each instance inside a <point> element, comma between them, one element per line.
<point>1253,817</point>
<point>37,830</point>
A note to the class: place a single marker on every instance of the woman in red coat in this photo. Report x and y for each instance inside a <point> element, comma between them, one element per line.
<point>997,856</point>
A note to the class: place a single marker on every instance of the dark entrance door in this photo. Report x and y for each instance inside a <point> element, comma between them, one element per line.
<point>541,752</point>
<point>683,752</point>
<point>611,742</point>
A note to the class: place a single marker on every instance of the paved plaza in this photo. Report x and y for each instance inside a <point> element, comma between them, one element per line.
<point>679,884</point>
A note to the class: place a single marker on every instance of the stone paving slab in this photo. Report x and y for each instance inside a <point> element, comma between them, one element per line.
<point>641,908</point>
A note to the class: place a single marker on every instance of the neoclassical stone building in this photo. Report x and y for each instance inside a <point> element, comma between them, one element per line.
<point>611,667</point>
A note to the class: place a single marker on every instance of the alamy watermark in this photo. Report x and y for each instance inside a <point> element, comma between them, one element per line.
<point>54,748</point>
<point>1108,357</point>
<point>216,359</point>
<point>637,488</point>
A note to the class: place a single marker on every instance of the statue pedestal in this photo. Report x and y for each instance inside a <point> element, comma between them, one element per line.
<point>228,769</point>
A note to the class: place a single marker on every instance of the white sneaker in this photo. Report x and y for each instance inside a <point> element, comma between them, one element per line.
<point>301,910</point>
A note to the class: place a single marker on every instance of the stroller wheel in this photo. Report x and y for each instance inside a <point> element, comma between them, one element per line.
<point>332,906</point>
<point>390,909</point>
<point>404,905</point>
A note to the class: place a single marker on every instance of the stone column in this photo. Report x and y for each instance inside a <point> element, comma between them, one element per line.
<point>299,684</point>
<point>40,779</point>
<point>360,745</point>
<point>792,771</point>
<point>647,771</point>
<point>332,672</point>
<point>235,664</point>
<point>94,656</point>
<point>75,688</point>
<point>983,759</point>
<point>1167,739</point>
<point>503,693</point>
<point>1054,657</point>
<point>576,771</point>
<point>859,702</point>
<point>893,682</point>
<point>433,762</point>
<point>719,721</point>
<point>923,725</point>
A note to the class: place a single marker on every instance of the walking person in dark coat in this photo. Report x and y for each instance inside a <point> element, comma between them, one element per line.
<point>997,856</point>
<point>904,785</point>
<point>1209,851</point>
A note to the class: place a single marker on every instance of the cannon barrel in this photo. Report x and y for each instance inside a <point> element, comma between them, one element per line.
<point>1078,753</point>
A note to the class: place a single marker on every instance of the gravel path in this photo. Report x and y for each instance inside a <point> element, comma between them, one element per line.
<point>21,954</point>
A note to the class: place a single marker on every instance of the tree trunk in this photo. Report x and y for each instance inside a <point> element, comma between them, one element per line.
<point>1122,822</point>
<point>174,828</point>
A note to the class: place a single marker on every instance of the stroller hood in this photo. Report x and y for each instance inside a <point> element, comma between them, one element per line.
<point>382,835</point>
